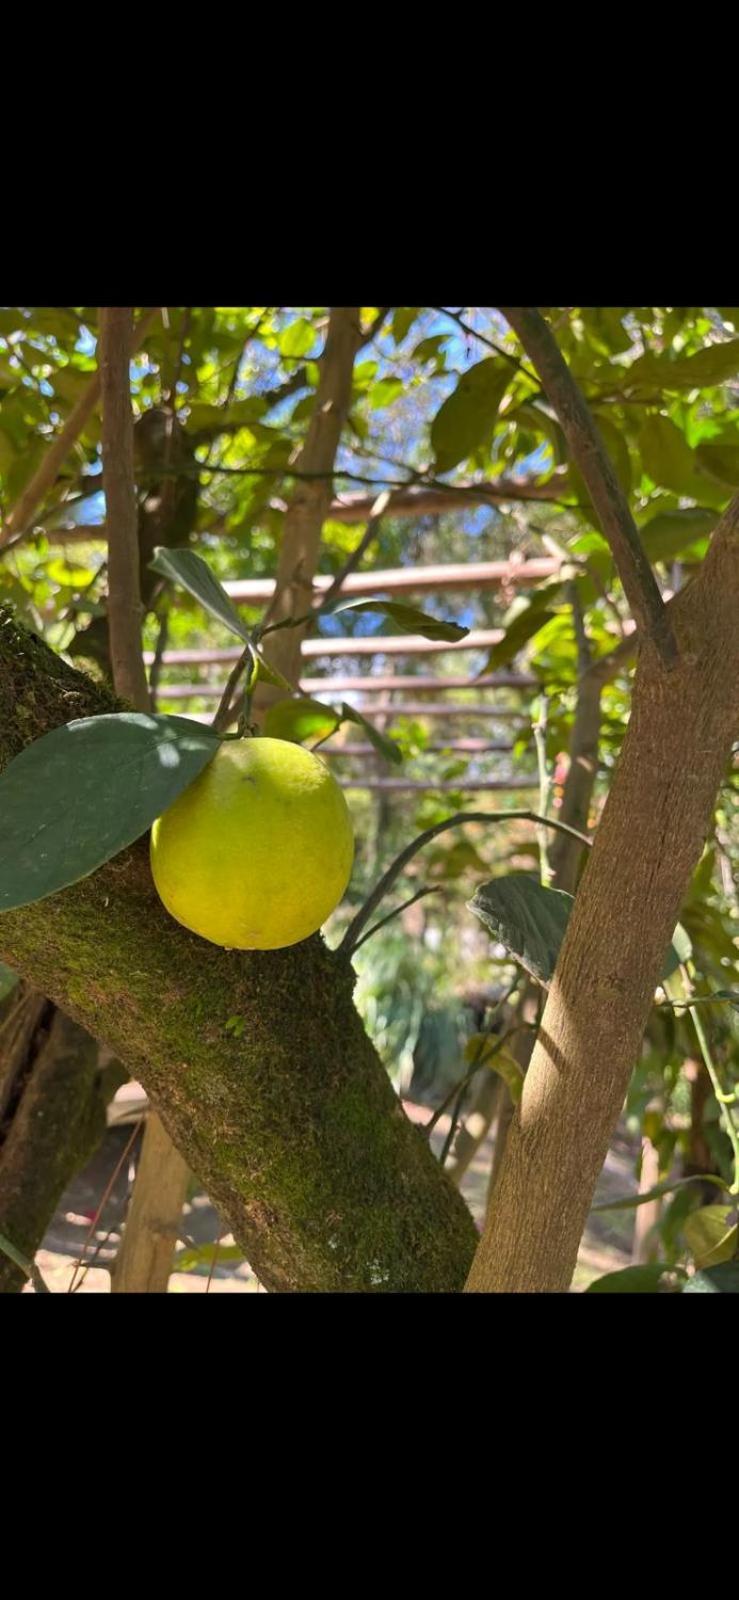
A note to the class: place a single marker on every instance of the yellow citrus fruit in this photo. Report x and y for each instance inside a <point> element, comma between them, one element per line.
<point>258,851</point>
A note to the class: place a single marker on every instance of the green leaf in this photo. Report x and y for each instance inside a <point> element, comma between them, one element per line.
<point>711,1235</point>
<point>384,392</point>
<point>715,1280</point>
<point>298,720</point>
<point>669,460</point>
<point>528,621</point>
<point>646,1279</point>
<point>403,319</point>
<point>406,618</point>
<point>680,951</point>
<point>703,370</point>
<point>670,533</point>
<point>74,798</point>
<point>721,461</point>
<point>206,1255</point>
<point>531,922</point>
<point>269,674</point>
<point>467,418</point>
<point>527,919</point>
<point>297,339</point>
<point>212,419</point>
<point>193,574</point>
<point>385,747</point>
<point>483,1049</point>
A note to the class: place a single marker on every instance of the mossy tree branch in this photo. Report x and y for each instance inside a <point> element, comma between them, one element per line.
<point>258,1065</point>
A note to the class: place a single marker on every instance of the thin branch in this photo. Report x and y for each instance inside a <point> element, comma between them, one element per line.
<point>222,717</point>
<point>18,521</point>
<point>498,349</point>
<point>420,895</point>
<point>155,672</point>
<point>124,593</point>
<point>349,941</point>
<point>595,465</point>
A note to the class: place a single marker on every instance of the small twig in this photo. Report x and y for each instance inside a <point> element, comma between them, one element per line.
<point>539,730</point>
<point>103,1202</point>
<point>155,671</point>
<point>434,889</point>
<point>498,349</point>
<point>223,717</point>
<point>386,882</point>
<point>594,463</point>
<point>724,1100</point>
<point>213,1263</point>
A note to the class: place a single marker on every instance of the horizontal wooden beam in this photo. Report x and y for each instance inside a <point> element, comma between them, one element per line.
<point>396,644</point>
<point>416,709</point>
<point>468,747</point>
<point>405,786</point>
<point>459,576</point>
<point>426,501</point>
<point>417,683</point>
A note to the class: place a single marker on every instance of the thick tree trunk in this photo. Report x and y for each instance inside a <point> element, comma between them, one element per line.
<point>258,1064</point>
<point>53,1094</point>
<point>654,825</point>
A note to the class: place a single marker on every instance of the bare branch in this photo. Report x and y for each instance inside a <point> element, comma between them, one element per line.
<point>591,457</point>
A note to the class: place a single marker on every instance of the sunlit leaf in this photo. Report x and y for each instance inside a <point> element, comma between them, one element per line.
<point>467,417</point>
<point>711,1235</point>
<point>406,618</point>
<point>187,569</point>
<point>298,720</point>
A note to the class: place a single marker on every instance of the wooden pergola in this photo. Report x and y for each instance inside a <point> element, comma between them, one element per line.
<point>384,696</point>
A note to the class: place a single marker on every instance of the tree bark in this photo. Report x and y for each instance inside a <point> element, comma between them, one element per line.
<point>145,1258</point>
<point>655,822</point>
<point>53,1095</point>
<point>124,594</point>
<point>310,502</point>
<point>259,1064</point>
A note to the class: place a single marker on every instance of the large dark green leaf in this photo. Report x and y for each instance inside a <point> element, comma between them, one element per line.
<point>531,922</point>
<point>528,920</point>
<point>467,418</point>
<point>646,1279</point>
<point>193,574</point>
<point>406,618</point>
<point>669,533</point>
<point>387,748</point>
<point>80,794</point>
<point>715,1280</point>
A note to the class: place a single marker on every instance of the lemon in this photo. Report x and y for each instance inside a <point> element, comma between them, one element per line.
<point>258,851</point>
